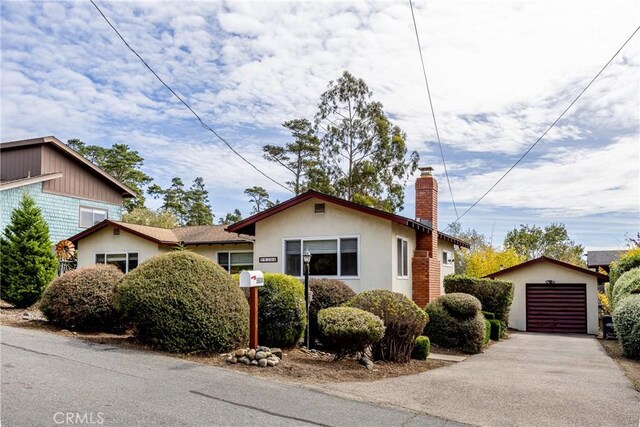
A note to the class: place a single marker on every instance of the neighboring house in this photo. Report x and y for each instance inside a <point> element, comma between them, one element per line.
<point>127,245</point>
<point>602,259</point>
<point>365,247</point>
<point>72,192</point>
<point>552,296</point>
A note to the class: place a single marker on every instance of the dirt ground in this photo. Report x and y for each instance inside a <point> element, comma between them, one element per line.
<point>630,367</point>
<point>296,366</point>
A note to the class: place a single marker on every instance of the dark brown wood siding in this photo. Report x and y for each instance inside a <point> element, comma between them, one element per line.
<point>77,180</point>
<point>558,307</point>
<point>20,163</point>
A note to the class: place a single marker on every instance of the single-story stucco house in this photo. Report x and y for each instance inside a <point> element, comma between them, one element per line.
<point>552,296</point>
<point>127,245</point>
<point>365,247</point>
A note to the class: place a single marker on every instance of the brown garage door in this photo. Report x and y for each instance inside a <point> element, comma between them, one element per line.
<point>558,307</point>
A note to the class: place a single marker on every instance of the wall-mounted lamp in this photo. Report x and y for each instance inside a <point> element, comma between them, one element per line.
<point>549,282</point>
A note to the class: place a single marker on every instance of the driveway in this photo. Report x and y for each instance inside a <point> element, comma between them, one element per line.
<point>529,379</point>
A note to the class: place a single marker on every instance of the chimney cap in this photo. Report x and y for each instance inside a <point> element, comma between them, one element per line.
<point>426,170</point>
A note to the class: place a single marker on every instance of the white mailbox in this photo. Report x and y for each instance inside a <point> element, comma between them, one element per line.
<point>251,278</point>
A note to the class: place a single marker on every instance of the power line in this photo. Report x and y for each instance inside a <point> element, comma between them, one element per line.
<point>433,114</point>
<point>202,123</point>
<point>550,127</point>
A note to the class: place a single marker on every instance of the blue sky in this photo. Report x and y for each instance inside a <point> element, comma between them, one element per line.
<point>500,72</point>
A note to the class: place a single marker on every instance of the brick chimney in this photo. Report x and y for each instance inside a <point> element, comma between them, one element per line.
<point>425,264</point>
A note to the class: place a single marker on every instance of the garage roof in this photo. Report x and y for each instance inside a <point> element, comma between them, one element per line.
<point>544,259</point>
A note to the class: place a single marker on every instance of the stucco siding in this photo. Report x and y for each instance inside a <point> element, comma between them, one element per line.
<point>539,273</point>
<point>402,284</point>
<point>62,213</point>
<point>445,270</point>
<point>104,241</point>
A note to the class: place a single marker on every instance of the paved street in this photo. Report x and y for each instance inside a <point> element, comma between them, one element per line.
<point>46,378</point>
<point>528,380</point>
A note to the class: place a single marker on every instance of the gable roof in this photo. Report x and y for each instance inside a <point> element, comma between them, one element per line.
<point>55,142</point>
<point>544,259</point>
<point>194,235</point>
<point>247,225</point>
<point>603,258</point>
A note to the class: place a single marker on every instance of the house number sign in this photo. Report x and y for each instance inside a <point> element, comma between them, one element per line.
<point>266,259</point>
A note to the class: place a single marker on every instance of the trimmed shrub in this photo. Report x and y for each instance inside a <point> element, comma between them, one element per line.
<point>626,319</point>
<point>82,299</point>
<point>403,319</point>
<point>325,293</point>
<point>422,348</point>
<point>628,261</point>
<point>626,285</point>
<point>494,295</point>
<point>496,329</point>
<point>489,316</point>
<point>281,312</point>
<point>462,306</point>
<point>184,302</point>
<point>348,331</point>
<point>487,332</point>
<point>447,330</point>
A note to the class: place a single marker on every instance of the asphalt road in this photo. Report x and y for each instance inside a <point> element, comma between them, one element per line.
<point>52,380</point>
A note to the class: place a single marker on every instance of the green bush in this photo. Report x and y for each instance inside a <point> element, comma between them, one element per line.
<point>450,331</point>
<point>184,302</point>
<point>489,316</point>
<point>325,293</point>
<point>626,319</point>
<point>82,299</point>
<point>628,261</point>
<point>422,348</point>
<point>281,311</point>
<point>494,295</point>
<point>27,263</point>
<point>487,332</point>
<point>462,306</point>
<point>348,331</point>
<point>496,329</point>
<point>403,319</point>
<point>626,285</point>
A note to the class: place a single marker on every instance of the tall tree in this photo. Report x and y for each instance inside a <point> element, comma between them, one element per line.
<point>173,198</point>
<point>298,157</point>
<point>199,212</point>
<point>477,241</point>
<point>553,241</point>
<point>488,260</point>
<point>260,199</point>
<point>120,162</point>
<point>231,217</point>
<point>191,206</point>
<point>365,156</point>
<point>144,216</point>
<point>27,263</point>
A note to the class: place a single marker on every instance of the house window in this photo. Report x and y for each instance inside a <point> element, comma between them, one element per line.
<point>329,257</point>
<point>125,261</point>
<point>91,216</point>
<point>403,257</point>
<point>447,258</point>
<point>235,262</point>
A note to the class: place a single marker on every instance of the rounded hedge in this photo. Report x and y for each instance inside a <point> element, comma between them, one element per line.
<point>626,319</point>
<point>629,260</point>
<point>325,293</point>
<point>184,302</point>
<point>83,299</point>
<point>281,311</point>
<point>447,330</point>
<point>347,330</point>
<point>403,319</point>
<point>462,306</point>
<point>626,285</point>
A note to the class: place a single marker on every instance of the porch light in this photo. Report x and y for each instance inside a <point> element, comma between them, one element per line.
<point>306,257</point>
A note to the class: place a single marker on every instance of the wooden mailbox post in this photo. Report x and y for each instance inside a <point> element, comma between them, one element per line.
<point>252,279</point>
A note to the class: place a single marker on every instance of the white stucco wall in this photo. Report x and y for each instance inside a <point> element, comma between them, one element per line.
<point>401,284</point>
<point>445,270</point>
<point>211,251</point>
<point>104,241</point>
<point>539,273</point>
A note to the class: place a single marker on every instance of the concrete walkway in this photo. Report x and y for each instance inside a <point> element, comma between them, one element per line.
<point>528,380</point>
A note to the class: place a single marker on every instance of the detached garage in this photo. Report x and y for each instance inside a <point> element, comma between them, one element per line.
<point>552,296</point>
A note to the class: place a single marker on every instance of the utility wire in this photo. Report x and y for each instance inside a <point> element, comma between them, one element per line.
<point>202,123</point>
<point>433,114</point>
<point>549,128</point>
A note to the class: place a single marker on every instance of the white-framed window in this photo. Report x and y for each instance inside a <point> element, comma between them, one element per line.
<point>447,258</point>
<point>402,250</point>
<point>330,256</point>
<point>235,262</point>
<point>91,216</point>
<point>125,261</point>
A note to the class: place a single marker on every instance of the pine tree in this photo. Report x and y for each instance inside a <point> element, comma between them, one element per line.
<point>27,262</point>
<point>199,212</point>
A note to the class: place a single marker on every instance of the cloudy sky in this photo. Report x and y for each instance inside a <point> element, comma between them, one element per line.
<point>500,73</point>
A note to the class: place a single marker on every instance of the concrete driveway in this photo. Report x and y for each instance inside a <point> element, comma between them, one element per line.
<point>529,379</point>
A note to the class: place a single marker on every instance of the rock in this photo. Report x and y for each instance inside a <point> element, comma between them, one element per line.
<point>276,352</point>
<point>263,362</point>
<point>64,330</point>
<point>240,353</point>
<point>232,360</point>
<point>268,352</point>
<point>251,354</point>
<point>263,348</point>
<point>366,362</point>
<point>26,315</point>
<point>244,360</point>
<point>271,363</point>
<point>261,355</point>
<point>254,362</point>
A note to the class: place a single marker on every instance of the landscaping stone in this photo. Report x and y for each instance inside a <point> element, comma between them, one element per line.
<point>271,362</point>
<point>261,355</point>
<point>277,352</point>
<point>244,360</point>
<point>263,362</point>
<point>240,353</point>
<point>231,359</point>
<point>366,362</point>
<point>251,354</point>
<point>254,362</point>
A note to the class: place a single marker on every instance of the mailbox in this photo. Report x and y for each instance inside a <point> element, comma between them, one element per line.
<point>251,278</point>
